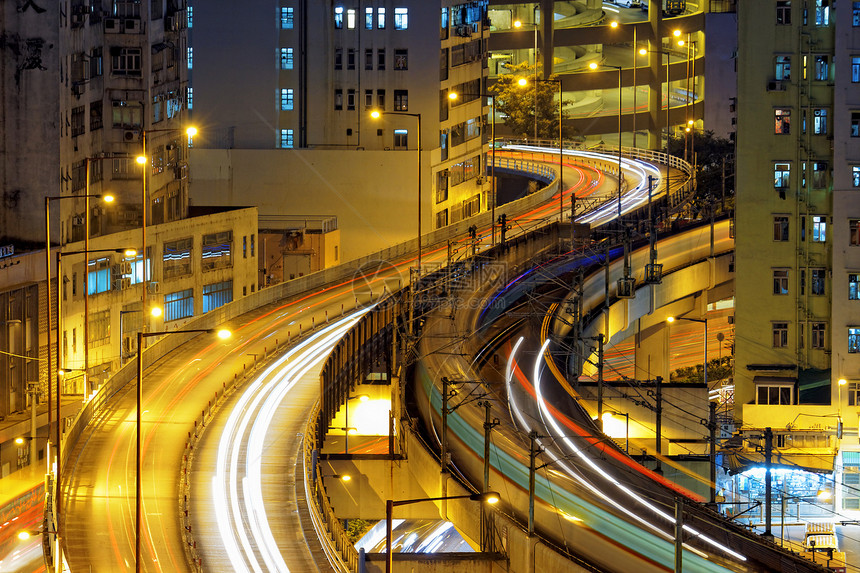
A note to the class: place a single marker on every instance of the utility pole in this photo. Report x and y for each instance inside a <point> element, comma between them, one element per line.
<point>444,456</point>
<point>659,425</point>
<point>533,453</point>
<point>768,485</point>
<point>600,381</point>
<point>679,533</point>
<point>489,424</point>
<point>712,428</point>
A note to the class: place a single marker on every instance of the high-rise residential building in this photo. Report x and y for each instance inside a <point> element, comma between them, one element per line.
<point>797,353</point>
<point>303,77</point>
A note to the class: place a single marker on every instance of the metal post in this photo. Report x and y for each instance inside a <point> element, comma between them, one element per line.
<point>619,141</point>
<point>635,53</point>
<point>712,428</point>
<point>533,452</point>
<point>679,533</point>
<point>50,321</point>
<point>33,391</point>
<point>389,511</point>
<point>86,277</point>
<point>145,279</point>
<point>137,502</point>
<point>560,164</point>
<point>59,390</point>
<point>659,424</point>
<point>493,168</point>
<point>600,381</point>
<point>768,481</point>
<point>418,116</point>
<point>444,457</point>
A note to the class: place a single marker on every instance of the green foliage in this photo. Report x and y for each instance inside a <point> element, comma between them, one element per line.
<point>355,529</point>
<point>517,102</point>
<point>710,152</point>
<point>718,369</point>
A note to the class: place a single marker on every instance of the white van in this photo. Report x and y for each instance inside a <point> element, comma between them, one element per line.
<point>628,3</point>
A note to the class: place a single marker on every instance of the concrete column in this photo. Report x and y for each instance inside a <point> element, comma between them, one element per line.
<point>656,121</point>
<point>651,353</point>
<point>546,36</point>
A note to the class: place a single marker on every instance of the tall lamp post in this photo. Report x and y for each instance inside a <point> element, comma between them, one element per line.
<point>453,97</point>
<point>644,51</point>
<point>143,160</point>
<point>490,497</point>
<point>223,334</point>
<point>376,114</point>
<point>524,82</point>
<point>594,66</point>
<point>519,24</point>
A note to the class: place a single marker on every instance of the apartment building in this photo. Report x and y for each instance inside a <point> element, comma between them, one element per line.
<point>797,355</point>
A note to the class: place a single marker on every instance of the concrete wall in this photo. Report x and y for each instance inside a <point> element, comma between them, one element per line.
<point>372,193</point>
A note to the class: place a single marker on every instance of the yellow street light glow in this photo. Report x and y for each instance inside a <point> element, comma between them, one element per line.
<point>670,319</point>
<point>843,381</point>
<point>141,159</point>
<point>345,477</point>
<point>24,535</point>
<point>351,431</point>
<point>593,65</point>
<point>363,397</point>
<point>607,416</point>
<point>375,114</point>
<point>191,131</point>
<point>680,42</point>
<point>155,311</point>
<point>523,82</point>
<point>676,33</point>
<point>108,198</point>
<point>690,122</point>
<point>825,495</point>
<point>453,95</point>
<point>224,334</point>
<point>491,498</point>
<point>613,24</point>
<point>19,441</point>
<point>643,51</point>
<point>687,129</point>
<point>517,24</point>
<point>130,253</point>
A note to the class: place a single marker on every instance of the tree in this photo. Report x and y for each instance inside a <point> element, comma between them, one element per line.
<point>517,103</point>
<point>711,153</point>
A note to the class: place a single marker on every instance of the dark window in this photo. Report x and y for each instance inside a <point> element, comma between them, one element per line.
<point>783,12</point>
<point>401,100</point>
<point>401,59</point>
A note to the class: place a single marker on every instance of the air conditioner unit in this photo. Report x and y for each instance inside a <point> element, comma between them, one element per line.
<point>77,220</point>
<point>129,135</point>
<point>78,89</point>
<point>124,283</point>
<point>775,86</point>
<point>125,268</point>
<point>132,26</point>
<point>153,287</point>
<point>170,23</point>
<point>112,26</point>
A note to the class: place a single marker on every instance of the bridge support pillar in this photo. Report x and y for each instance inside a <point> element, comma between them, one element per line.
<point>652,352</point>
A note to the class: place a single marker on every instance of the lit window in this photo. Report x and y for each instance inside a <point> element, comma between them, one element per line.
<point>780,281</point>
<point>855,124</point>
<point>217,294</point>
<point>178,305</point>
<point>780,334</point>
<point>401,18</point>
<point>855,69</point>
<point>286,18</point>
<point>855,13</point>
<point>822,67</point>
<point>98,275</point>
<point>819,174</point>
<point>176,258</point>
<point>286,99</point>
<point>822,12</point>
<point>350,18</point>
<point>819,281</point>
<point>853,340</point>
<point>783,68</point>
<point>783,12</point>
<point>380,18</point>
<point>781,175</point>
<point>855,175</point>
<point>401,100</point>
<point>217,251</point>
<point>780,228</point>
<point>189,10</point>
<point>782,121</point>
<point>189,95</point>
<point>368,18</point>
<point>854,232</point>
<point>286,58</point>
<point>819,229</point>
<point>338,17</point>
<point>286,139</point>
<point>819,121</point>
<point>401,139</point>
<point>190,56</point>
<point>854,286</point>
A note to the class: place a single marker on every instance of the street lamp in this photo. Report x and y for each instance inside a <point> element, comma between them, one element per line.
<point>518,24</point>
<point>644,51</point>
<point>376,114</point>
<point>222,334</point>
<point>142,160</point>
<point>524,82</point>
<point>594,66</point>
<point>155,312</point>
<point>453,96</point>
<point>490,497</point>
<point>608,416</point>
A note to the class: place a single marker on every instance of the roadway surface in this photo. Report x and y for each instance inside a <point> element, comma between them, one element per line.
<point>97,521</point>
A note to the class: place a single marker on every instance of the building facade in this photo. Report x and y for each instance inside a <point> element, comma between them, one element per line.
<point>797,357</point>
